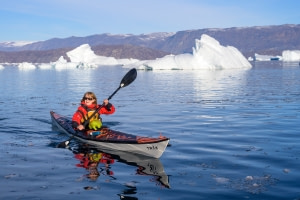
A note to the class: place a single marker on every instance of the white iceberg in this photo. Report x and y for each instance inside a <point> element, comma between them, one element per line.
<point>84,57</point>
<point>207,54</point>
<point>1,67</point>
<point>291,55</point>
<point>26,66</point>
<point>127,61</point>
<point>84,54</point>
<point>259,57</point>
<point>45,66</point>
<point>62,63</point>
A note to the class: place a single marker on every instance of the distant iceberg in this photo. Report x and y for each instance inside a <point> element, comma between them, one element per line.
<point>26,66</point>
<point>84,57</point>
<point>291,55</point>
<point>258,57</point>
<point>45,66</point>
<point>84,54</point>
<point>207,54</point>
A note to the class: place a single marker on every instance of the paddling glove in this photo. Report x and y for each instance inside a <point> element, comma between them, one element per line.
<point>74,124</point>
<point>108,106</point>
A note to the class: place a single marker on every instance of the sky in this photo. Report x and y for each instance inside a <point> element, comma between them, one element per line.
<point>39,20</point>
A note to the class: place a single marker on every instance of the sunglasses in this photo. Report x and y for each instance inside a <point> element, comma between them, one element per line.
<point>88,98</point>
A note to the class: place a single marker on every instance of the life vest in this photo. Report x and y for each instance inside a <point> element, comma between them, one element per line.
<point>95,157</point>
<point>88,112</point>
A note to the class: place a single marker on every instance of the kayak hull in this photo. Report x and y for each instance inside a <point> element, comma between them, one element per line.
<point>106,138</point>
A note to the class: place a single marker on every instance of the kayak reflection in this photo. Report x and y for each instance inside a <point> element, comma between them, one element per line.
<point>98,162</point>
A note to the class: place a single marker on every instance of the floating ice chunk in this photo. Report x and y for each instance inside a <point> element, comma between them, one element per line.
<point>84,57</point>
<point>82,65</point>
<point>26,66</point>
<point>138,65</point>
<point>62,63</point>
<point>62,60</point>
<point>259,57</point>
<point>84,54</point>
<point>68,65</point>
<point>255,185</point>
<point>286,170</point>
<point>127,61</point>
<point>221,180</point>
<point>45,66</point>
<point>291,55</point>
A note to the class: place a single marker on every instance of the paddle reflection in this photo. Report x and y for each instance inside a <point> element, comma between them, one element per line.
<point>98,162</point>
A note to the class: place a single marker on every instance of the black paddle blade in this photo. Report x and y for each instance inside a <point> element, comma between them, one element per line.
<point>128,78</point>
<point>63,144</point>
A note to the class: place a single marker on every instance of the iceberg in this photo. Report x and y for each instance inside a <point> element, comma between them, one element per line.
<point>45,66</point>
<point>207,54</point>
<point>291,55</point>
<point>84,54</point>
<point>26,66</point>
<point>1,67</point>
<point>259,57</point>
<point>84,57</point>
<point>62,63</point>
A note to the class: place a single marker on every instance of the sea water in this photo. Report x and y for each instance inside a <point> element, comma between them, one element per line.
<point>234,134</point>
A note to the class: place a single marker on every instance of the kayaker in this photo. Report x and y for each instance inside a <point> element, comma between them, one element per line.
<point>87,107</point>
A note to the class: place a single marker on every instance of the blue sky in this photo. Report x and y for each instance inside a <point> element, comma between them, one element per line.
<point>34,20</point>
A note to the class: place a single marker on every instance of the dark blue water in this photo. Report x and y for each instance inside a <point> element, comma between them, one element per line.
<point>235,134</point>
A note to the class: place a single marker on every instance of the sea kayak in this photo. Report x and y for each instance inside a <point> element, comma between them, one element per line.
<point>106,138</point>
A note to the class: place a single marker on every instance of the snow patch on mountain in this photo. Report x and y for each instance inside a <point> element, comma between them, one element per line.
<point>15,44</point>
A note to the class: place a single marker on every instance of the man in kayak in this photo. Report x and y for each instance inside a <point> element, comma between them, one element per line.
<point>87,107</point>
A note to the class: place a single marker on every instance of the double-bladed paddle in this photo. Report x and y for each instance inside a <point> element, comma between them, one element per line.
<point>126,80</point>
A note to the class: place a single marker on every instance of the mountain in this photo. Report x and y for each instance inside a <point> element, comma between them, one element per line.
<point>265,40</point>
<point>249,40</point>
<point>46,56</point>
<point>33,56</point>
<point>144,40</point>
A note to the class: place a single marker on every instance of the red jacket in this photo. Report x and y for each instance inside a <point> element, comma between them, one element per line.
<point>84,111</point>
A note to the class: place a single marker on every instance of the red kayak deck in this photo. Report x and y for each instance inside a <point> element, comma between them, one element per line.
<point>106,134</point>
